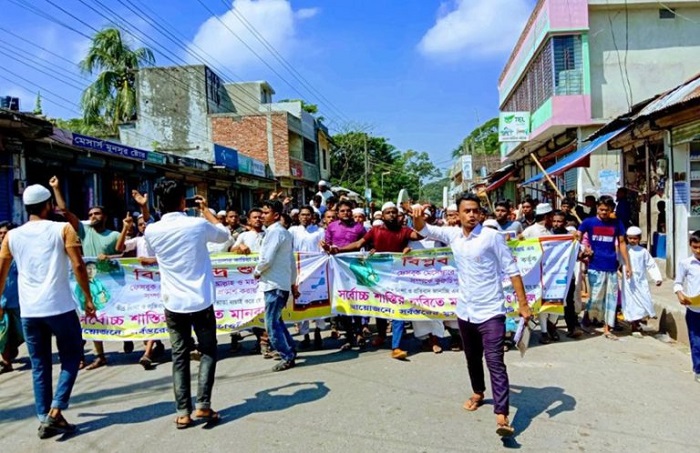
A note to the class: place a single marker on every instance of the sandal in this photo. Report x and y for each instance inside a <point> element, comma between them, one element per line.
<point>99,361</point>
<point>183,421</point>
<point>146,363</point>
<point>611,336</point>
<point>505,429</point>
<point>473,403</point>
<point>210,416</point>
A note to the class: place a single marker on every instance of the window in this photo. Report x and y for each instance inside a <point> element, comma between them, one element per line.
<point>556,70</point>
<point>568,65</point>
<point>325,156</point>
<point>667,13</point>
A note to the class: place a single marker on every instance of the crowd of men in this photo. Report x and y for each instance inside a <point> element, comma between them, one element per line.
<point>39,302</point>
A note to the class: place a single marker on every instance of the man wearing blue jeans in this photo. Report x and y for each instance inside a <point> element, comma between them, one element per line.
<point>277,275</point>
<point>179,243</point>
<point>42,250</point>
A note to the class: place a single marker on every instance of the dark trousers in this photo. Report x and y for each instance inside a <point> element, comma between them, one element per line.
<point>486,340</point>
<point>180,327</point>
<point>570,316</point>
<point>692,319</point>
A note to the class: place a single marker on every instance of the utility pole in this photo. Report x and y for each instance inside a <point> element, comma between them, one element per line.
<point>366,167</point>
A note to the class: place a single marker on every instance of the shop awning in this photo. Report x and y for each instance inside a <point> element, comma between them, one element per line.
<point>500,181</point>
<point>576,158</point>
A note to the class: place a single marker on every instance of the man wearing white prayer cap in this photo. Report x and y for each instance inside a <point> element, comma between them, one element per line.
<point>451,215</point>
<point>44,248</point>
<point>324,191</point>
<point>377,215</point>
<point>221,215</point>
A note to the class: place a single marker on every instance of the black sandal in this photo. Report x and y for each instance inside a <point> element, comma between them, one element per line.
<point>210,416</point>
<point>179,424</point>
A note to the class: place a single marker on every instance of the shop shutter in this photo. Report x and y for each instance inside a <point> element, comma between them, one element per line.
<point>570,179</point>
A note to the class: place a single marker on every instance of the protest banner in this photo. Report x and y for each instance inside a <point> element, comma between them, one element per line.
<point>417,286</point>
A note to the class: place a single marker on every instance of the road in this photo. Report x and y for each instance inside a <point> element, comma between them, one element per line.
<point>588,395</point>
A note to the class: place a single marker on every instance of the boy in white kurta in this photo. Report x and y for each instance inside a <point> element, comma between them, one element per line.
<point>636,296</point>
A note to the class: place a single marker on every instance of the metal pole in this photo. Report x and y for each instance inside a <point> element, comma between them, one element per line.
<point>650,235</point>
<point>366,166</point>
<point>554,186</point>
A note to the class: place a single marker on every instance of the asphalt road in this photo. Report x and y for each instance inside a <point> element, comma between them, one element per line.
<point>588,395</point>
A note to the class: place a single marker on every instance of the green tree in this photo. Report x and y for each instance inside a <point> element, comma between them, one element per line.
<point>482,140</point>
<point>409,171</point>
<point>348,157</point>
<point>37,105</point>
<point>78,125</point>
<point>111,98</point>
<point>432,191</point>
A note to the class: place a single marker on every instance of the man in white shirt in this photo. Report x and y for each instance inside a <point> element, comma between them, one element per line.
<point>542,227</point>
<point>324,191</point>
<point>307,237</point>
<point>179,243</point>
<point>481,257</point>
<point>42,250</point>
<point>251,240</point>
<point>277,273</point>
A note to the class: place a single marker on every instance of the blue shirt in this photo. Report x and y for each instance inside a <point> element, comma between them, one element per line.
<point>602,236</point>
<point>10,298</point>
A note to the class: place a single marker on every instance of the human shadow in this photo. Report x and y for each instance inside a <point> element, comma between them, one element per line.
<point>26,411</point>
<point>126,417</point>
<point>532,401</point>
<point>268,401</point>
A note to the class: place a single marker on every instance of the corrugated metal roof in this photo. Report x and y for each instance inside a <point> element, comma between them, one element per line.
<point>688,91</point>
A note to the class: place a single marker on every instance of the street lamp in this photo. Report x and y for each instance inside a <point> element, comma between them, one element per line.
<point>384,173</point>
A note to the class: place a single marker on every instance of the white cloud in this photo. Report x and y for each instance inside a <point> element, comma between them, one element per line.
<point>307,13</point>
<point>469,28</point>
<point>275,20</point>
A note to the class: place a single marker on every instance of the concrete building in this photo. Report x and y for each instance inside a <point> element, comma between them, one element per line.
<point>191,112</point>
<point>580,63</point>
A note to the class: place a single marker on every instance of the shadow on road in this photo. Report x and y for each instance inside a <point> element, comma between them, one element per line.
<point>27,411</point>
<point>531,402</point>
<point>276,399</point>
<point>126,417</point>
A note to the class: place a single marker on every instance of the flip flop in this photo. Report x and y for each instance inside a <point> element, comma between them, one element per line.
<point>611,336</point>
<point>211,418</point>
<point>505,430</point>
<point>179,424</point>
<point>473,403</point>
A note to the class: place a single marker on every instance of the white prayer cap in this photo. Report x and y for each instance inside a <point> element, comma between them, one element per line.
<point>377,222</point>
<point>452,207</point>
<point>388,205</point>
<point>634,231</point>
<point>358,211</point>
<point>571,229</point>
<point>377,215</point>
<point>294,211</point>
<point>491,223</point>
<point>35,194</point>
<point>322,183</point>
<point>543,208</point>
<point>212,211</point>
<point>223,213</point>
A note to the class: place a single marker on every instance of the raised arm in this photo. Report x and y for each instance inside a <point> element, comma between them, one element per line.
<point>127,225</point>
<point>61,203</point>
<point>142,201</point>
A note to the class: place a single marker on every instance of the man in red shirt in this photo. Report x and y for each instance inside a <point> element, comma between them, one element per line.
<point>392,236</point>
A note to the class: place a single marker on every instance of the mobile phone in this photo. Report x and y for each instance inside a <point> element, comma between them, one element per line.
<point>191,202</point>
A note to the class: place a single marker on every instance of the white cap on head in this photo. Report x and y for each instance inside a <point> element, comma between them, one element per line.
<point>377,215</point>
<point>491,223</point>
<point>35,194</point>
<point>294,211</point>
<point>322,183</point>
<point>358,211</point>
<point>222,212</point>
<point>388,205</point>
<point>212,211</point>
<point>452,207</point>
<point>543,208</point>
<point>377,222</point>
<point>634,231</point>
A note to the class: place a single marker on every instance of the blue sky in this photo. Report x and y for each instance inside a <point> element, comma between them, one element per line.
<point>419,72</point>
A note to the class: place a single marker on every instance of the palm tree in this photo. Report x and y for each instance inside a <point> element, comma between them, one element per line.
<point>111,98</point>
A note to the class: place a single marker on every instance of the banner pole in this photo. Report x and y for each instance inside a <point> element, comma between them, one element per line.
<point>554,186</point>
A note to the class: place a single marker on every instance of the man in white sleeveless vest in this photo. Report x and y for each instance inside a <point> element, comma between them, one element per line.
<point>42,250</point>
